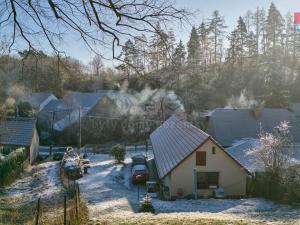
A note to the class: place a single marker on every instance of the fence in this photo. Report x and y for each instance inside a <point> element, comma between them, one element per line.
<point>73,211</point>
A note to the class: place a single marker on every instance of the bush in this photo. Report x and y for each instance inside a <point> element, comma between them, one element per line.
<point>25,109</point>
<point>291,186</point>
<point>146,204</point>
<point>58,156</point>
<point>11,166</point>
<point>118,151</point>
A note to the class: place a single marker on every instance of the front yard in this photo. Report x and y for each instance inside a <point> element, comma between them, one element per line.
<point>112,199</point>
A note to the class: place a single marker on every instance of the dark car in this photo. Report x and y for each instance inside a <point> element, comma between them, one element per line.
<point>140,174</point>
<point>139,160</point>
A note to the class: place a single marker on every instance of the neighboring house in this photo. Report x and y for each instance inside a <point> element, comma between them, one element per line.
<point>241,150</point>
<point>190,161</point>
<point>95,109</point>
<point>18,132</point>
<point>38,100</point>
<point>229,125</point>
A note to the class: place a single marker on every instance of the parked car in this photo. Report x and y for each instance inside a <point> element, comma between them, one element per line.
<point>139,160</point>
<point>140,174</point>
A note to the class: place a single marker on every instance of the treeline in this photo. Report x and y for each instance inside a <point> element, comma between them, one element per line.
<point>259,58</point>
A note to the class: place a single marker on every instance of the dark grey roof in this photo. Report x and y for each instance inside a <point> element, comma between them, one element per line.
<point>228,125</point>
<point>17,131</point>
<point>35,99</point>
<point>173,141</point>
<point>240,151</point>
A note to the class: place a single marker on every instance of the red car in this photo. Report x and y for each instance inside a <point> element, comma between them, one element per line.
<point>140,174</point>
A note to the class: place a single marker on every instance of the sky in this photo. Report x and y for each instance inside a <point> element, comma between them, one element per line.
<point>230,9</point>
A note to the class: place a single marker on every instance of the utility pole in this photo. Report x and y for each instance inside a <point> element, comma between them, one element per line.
<point>79,141</point>
<point>52,133</point>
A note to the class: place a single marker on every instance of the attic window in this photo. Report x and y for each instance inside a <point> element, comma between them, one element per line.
<point>200,158</point>
<point>213,150</point>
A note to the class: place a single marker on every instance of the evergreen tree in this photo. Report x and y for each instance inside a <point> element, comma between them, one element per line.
<point>217,30</point>
<point>193,58</point>
<point>204,45</point>
<point>179,55</point>
<point>128,55</point>
<point>274,31</point>
<point>238,43</point>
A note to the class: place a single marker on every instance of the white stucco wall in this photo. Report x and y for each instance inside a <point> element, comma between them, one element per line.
<point>232,178</point>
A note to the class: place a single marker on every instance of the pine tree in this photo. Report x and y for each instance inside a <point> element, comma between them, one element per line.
<point>128,55</point>
<point>238,42</point>
<point>274,31</point>
<point>217,30</point>
<point>193,58</point>
<point>203,31</point>
<point>179,55</point>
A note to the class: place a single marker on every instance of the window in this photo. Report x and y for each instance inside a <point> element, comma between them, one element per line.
<point>206,179</point>
<point>200,158</point>
<point>213,151</point>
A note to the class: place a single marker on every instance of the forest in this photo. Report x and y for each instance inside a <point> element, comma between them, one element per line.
<point>256,61</point>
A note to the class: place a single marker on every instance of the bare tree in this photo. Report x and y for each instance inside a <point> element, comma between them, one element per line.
<point>98,23</point>
<point>96,65</point>
<point>275,150</point>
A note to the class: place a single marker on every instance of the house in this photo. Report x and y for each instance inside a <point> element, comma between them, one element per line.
<point>62,116</point>
<point>18,132</point>
<point>191,162</point>
<point>38,100</point>
<point>73,104</point>
<point>227,125</point>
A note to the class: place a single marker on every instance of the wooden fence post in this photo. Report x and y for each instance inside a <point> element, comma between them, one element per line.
<point>76,203</point>
<point>37,217</point>
<point>78,192</point>
<point>65,210</point>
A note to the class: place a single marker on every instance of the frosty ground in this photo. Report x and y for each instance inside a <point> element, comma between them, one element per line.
<point>38,181</point>
<point>111,197</point>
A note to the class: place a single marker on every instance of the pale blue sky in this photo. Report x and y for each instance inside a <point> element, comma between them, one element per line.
<point>230,9</point>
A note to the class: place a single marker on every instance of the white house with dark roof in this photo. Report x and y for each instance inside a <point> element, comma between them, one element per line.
<point>38,100</point>
<point>18,132</point>
<point>191,162</point>
<point>101,103</point>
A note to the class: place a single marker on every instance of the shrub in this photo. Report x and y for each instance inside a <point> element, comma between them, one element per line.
<point>58,156</point>
<point>11,166</point>
<point>25,109</point>
<point>146,204</point>
<point>291,185</point>
<point>118,151</point>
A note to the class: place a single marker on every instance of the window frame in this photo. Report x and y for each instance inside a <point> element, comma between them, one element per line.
<point>210,181</point>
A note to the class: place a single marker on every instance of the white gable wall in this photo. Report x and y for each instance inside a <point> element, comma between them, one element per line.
<point>46,101</point>
<point>232,178</point>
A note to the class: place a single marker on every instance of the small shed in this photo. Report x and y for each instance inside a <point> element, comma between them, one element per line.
<point>18,132</point>
<point>191,162</point>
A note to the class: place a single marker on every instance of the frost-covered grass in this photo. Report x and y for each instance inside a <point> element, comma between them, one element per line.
<point>111,196</point>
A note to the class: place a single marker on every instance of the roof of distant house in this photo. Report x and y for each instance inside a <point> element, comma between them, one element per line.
<point>228,125</point>
<point>35,99</point>
<point>17,131</point>
<point>174,141</point>
<point>241,151</point>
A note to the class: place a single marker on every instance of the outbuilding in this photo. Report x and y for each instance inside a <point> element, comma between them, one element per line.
<point>18,132</point>
<point>190,162</point>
